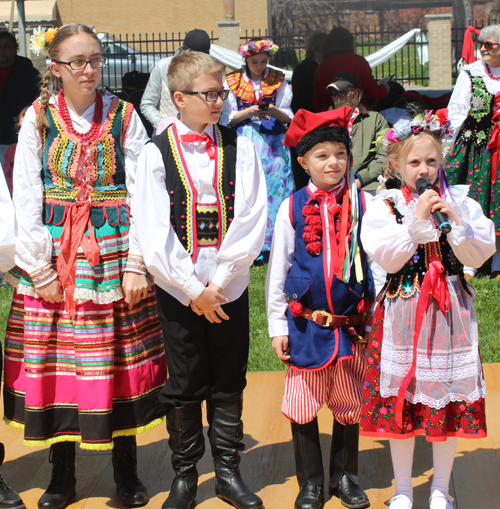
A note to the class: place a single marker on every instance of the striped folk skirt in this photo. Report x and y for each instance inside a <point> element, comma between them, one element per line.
<point>339,386</point>
<point>84,380</point>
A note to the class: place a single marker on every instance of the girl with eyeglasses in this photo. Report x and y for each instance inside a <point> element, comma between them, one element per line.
<point>84,355</point>
<point>473,160</point>
<point>258,108</point>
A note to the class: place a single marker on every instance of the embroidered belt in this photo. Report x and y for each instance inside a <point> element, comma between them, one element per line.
<point>326,319</point>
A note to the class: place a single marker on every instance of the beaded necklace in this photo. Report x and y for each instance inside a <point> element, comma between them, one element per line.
<point>95,128</point>
<point>496,78</point>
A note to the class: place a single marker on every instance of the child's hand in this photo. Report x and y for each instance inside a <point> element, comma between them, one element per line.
<point>281,347</point>
<point>430,201</point>
<point>196,309</point>
<point>423,208</point>
<point>134,287</point>
<point>209,303</point>
<point>51,292</point>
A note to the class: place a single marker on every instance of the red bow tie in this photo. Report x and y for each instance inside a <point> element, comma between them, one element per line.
<point>209,144</point>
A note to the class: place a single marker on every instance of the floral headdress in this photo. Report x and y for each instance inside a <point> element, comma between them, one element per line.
<point>258,47</point>
<point>40,40</point>
<point>436,123</point>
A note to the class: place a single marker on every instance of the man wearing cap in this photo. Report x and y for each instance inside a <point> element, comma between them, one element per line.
<point>363,128</point>
<point>156,103</point>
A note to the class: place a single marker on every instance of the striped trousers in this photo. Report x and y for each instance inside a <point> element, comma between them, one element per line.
<point>338,385</point>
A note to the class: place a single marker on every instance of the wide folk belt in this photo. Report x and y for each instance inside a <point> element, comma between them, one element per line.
<point>326,319</point>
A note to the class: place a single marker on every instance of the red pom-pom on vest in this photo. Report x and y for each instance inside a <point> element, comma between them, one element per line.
<point>296,308</point>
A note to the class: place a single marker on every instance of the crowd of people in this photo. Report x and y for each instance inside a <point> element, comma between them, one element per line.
<point>130,256</point>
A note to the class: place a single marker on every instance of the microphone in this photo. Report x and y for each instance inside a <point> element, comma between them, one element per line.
<point>442,221</point>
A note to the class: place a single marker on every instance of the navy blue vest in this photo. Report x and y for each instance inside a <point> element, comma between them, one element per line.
<point>311,345</point>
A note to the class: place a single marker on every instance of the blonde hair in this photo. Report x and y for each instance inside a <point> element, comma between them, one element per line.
<point>399,152</point>
<point>187,66</point>
<point>62,34</point>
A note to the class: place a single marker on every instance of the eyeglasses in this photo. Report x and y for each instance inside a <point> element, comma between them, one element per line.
<point>335,93</point>
<point>488,45</point>
<point>210,96</point>
<point>78,65</point>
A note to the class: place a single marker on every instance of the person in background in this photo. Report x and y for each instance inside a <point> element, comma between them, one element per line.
<point>339,55</point>
<point>474,115</point>
<point>19,87</point>
<point>258,107</point>
<point>303,74</point>
<point>156,103</point>
<point>364,126</point>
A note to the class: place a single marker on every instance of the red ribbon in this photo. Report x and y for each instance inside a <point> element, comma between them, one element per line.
<point>433,285</point>
<point>209,144</point>
<point>494,143</point>
<point>72,237</point>
<point>468,53</point>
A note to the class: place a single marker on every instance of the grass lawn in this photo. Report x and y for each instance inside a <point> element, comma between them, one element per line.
<point>262,357</point>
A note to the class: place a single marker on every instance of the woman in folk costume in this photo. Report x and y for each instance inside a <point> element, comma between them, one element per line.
<point>258,107</point>
<point>424,373</point>
<point>474,114</point>
<point>84,356</point>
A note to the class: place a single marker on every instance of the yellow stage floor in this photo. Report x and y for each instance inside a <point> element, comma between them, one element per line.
<point>268,464</point>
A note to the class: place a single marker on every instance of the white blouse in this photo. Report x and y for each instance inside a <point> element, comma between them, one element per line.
<point>164,255</point>
<point>460,101</point>
<point>283,98</point>
<point>7,227</point>
<point>391,244</point>
<point>34,242</point>
<point>280,262</point>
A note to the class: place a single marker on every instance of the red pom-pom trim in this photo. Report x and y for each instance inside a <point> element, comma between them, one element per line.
<point>312,231</point>
<point>363,306</point>
<point>314,247</point>
<point>310,210</point>
<point>313,220</point>
<point>296,308</point>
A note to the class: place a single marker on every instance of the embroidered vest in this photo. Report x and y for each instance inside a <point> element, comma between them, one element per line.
<point>406,282</point>
<point>61,156</point>
<point>311,345</point>
<point>245,97</point>
<point>198,225</point>
<point>477,126</point>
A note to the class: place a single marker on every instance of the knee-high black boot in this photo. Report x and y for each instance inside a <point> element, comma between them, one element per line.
<point>344,481</point>
<point>187,443</point>
<point>9,499</point>
<point>63,482</point>
<point>130,489</point>
<point>309,465</point>
<point>226,435</point>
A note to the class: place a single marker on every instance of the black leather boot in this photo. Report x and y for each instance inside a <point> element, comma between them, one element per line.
<point>63,482</point>
<point>226,435</point>
<point>187,443</point>
<point>9,499</point>
<point>309,465</point>
<point>344,481</point>
<point>130,489</point>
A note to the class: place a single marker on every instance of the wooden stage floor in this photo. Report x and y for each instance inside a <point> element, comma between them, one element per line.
<point>268,464</point>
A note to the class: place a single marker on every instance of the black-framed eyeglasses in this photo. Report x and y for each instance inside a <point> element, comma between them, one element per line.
<point>488,45</point>
<point>78,65</point>
<point>210,96</point>
<point>336,93</point>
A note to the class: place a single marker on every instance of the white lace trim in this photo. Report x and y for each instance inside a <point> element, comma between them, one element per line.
<point>421,231</point>
<point>459,233</point>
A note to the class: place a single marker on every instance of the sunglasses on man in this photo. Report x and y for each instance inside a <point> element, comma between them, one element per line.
<point>336,93</point>
<point>488,45</point>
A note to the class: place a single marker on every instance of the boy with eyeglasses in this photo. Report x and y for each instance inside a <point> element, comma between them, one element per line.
<point>363,128</point>
<point>201,209</point>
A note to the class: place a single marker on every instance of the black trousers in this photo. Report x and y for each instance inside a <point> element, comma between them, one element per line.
<point>205,360</point>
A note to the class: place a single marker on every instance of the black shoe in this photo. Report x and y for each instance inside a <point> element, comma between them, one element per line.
<point>9,499</point>
<point>351,495</point>
<point>63,482</point>
<point>185,429</point>
<point>344,482</point>
<point>310,497</point>
<point>130,489</point>
<point>226,434</point>
<point>308,465</point>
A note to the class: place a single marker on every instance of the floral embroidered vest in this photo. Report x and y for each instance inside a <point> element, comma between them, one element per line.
<point>199,225</point>
<point>62,155</point>
<point>478,124</point>
<point>406,282</point>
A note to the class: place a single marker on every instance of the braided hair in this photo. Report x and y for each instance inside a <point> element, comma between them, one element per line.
<point>61,35</point>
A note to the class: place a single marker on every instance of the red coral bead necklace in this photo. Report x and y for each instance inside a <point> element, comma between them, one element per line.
<point>490,74</point>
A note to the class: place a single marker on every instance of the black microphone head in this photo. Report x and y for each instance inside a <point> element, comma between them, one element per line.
<point>422,185</point>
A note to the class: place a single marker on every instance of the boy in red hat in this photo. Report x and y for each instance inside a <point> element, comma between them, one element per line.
<point>319,289</point>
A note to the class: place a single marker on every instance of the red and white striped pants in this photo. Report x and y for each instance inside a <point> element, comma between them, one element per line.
<point>338,385</point>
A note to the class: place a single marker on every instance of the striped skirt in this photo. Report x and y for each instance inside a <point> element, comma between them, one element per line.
<point>84,380</point>
<point>339,386</point>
